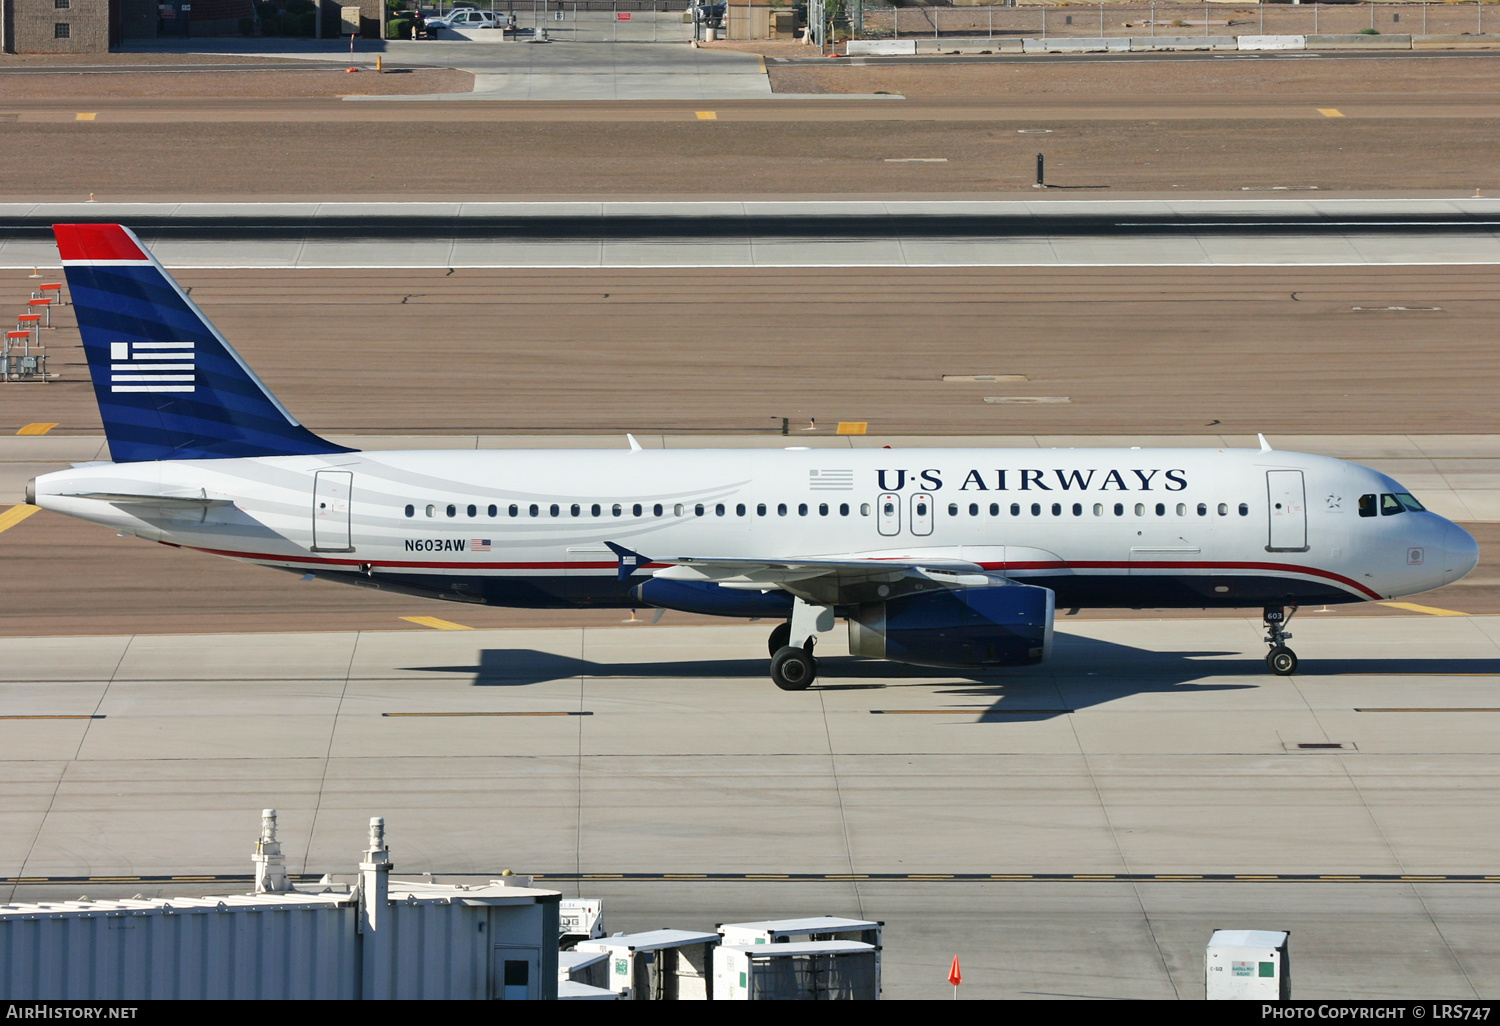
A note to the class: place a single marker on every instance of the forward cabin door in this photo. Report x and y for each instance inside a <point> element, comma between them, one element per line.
<point>1286,506</point>
<point>331,510</point>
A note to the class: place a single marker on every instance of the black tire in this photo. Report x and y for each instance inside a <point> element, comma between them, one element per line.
<point>793,669</point>
<point>779,638</point>
<point>1282,661</point>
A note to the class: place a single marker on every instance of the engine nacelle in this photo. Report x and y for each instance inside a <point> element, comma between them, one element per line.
<point>1008,625</point>
<point>712,599</point>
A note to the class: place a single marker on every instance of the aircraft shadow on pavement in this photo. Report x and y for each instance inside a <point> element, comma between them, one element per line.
<point>1082,672</point>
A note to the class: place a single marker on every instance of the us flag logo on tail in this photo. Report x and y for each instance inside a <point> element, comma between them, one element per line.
<point>151,367</point>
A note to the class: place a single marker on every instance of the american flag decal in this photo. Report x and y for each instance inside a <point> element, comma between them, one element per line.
<point>830,480</point>
<point>479,545</point>
<point>151,367</point>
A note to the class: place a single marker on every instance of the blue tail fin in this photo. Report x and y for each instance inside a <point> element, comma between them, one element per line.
<point>169,386</point>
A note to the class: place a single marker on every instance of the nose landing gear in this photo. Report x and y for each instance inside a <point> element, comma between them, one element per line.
<point>1281,660</point>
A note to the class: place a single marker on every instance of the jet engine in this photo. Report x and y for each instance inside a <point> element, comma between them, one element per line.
<point>1006,625</point>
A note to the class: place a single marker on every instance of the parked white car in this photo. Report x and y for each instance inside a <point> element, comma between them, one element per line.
<point>468,18</point>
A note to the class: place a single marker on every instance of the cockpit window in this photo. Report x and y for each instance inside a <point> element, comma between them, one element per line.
<point>1367,505</point>
<point>1410,503</point>
<point>1390,505</point>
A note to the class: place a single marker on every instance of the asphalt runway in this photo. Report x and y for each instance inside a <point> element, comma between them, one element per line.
<point>1075,829</point>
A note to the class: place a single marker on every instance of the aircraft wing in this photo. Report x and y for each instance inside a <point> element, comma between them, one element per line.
<point>830,580</point>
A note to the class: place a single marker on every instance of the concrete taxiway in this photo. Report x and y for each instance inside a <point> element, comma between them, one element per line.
<point>1151,783</point>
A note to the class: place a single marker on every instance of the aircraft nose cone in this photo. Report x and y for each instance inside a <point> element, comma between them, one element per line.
<point>1462,553</point>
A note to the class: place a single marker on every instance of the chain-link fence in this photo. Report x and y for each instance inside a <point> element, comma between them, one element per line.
<point>1214,19</point>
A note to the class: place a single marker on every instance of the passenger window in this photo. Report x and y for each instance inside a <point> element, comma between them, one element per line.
<point>575,509</point>
<point>1098,509</point>
<point>802,509</point>
<point>739,510</point>
<point>1036,509</point>
<point>514,510</point>
<point>994,509</point>
<point>1203,509</point>
<point>493,510</point>
<point>889,509</point>
<point>1223,509</point>
<point>719,510</point>
<point>535,509</point>
<point>411,510</point>
<point>594,510</point>
<point>453,510</point>
<point>554,509</point>
<point>973,509</point>
<point>781,509</point>
<point>760,509</point>
<point>1057,509</point>
<point>822,509</point>
<point>1244,509</point>
<point>473,510</point>
<point>843,509</point>
<point>431,510</point>
<point>1140,509</point>
<point>678,509</point>
<point>636,510</point>
<point>698,510</point>
<point>864,509</point>
<point>1015,509</point>
<point>615,509</point>
<point>1119,509</point>
<point>1389,506</point>
<point>952,509</point>
<point>656,510</point>
<point>1182,509</point>
<point>1078,509</point>
<point>1161,509</point>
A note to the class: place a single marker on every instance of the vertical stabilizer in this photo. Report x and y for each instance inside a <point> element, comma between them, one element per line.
<point>168,384</point>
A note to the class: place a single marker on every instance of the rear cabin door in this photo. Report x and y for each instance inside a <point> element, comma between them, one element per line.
<point>331,510</point>
<point>1286,507</point>
<point>888,514</point>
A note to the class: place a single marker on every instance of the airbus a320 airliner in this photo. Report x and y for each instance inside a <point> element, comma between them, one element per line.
<point>934,557</point>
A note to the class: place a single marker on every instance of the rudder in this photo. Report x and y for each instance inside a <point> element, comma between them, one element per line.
<point>169,386</point>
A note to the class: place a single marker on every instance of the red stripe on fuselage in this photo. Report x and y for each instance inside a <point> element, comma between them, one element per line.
<point>1310,571</point>
<point>1285,568</point>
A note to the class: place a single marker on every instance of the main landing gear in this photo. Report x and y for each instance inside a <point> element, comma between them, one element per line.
<point>1281,660</point>
<point>792,669</point>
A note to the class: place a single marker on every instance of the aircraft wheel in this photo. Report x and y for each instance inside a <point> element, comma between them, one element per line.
<point>793,669</point>
<point>1282,661</point>
<point>779,638</point>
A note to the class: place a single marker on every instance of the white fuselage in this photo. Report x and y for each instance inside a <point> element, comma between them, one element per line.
<point>1125,527</point>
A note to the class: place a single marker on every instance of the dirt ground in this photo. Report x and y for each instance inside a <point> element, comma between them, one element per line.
<point>1223,80</point>
<point>292,82</point>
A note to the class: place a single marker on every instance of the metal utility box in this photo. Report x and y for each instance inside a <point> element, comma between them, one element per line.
<point>590,967</point>
<point>1248,965</point>
<point>579,919</point>
<point>659,965</point>
<point>812,928</point>
<point>829,970</point>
